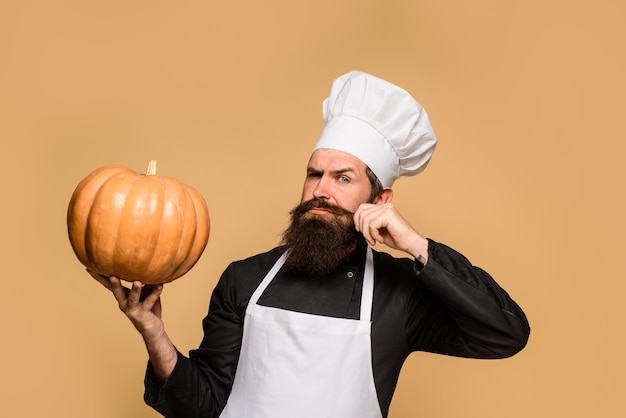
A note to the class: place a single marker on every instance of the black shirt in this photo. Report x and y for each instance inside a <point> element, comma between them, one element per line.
<point>450,307</point>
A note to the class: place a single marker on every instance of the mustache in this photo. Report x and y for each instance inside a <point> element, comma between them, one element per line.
<point>320,204</point>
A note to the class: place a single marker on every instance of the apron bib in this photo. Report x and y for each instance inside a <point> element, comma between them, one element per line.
<point>297,365</point>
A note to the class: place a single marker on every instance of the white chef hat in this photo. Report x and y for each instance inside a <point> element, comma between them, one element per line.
<point>379,123</point>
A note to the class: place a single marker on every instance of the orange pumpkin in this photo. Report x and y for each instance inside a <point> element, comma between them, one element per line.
<point>135,226</point>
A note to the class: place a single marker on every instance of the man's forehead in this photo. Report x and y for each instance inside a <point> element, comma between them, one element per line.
<point>325,159</point>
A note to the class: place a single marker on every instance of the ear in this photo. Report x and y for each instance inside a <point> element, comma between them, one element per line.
<point>385,197</point>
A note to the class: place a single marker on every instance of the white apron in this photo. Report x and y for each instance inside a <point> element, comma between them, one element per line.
<point>296,365</point>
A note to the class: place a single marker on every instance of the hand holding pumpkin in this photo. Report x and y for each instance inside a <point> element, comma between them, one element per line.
<point>141,304</point>
<point>137,227</point>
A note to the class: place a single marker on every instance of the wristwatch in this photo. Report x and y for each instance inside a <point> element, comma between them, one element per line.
<point>420,263</point>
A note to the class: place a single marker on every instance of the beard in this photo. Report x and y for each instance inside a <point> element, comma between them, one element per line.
<point>319,244</point>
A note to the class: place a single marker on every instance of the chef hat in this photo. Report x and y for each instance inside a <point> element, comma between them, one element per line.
<point>379,123</point>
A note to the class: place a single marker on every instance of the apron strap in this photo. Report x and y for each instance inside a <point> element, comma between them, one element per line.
<point>367,294</point>
<point>268,278</point>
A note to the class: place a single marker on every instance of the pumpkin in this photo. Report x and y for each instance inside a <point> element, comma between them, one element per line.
<point>135,226</point>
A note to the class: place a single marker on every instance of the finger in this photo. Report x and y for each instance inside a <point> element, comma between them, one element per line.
<point>134,296</point>
<point>156,309</point>
<point>357,219</point>
<point>119,291</point>
<point>103,280</point>
<point>375,228</point>
<point>366,230</point>
<point>361,213</point>
<point>153,296</point>
<point>369,223</point>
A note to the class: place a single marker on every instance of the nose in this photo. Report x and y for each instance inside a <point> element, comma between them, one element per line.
<point>320,191</point>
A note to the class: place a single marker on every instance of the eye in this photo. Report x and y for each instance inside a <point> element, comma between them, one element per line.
<point>344,179</point>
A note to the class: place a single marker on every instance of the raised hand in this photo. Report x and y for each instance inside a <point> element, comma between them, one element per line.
<point>382,223</point>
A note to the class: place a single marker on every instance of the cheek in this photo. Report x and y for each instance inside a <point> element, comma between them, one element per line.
<point>353,202</point>
<point>307,193</point>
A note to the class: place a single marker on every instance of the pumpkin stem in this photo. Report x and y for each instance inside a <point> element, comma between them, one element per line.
<point>151,168</point>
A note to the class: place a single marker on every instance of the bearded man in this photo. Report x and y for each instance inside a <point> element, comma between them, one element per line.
<point>321,325</point>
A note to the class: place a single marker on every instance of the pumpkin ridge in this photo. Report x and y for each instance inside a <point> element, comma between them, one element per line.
<point>79,208</point>
<point>161,269</point>
<point>157,197</point>
<point>162,182</point>
<point>188,230</point>
<point>201,231</point>
<point>92,247</point>
<point>127,245</point>
<point>178,262</point>
<point>189,248</point>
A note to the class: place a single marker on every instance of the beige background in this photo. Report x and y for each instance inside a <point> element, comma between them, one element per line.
<point>527,181</point>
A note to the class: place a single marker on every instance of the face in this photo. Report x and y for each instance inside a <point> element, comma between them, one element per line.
<point>322,233</point>
<point>338,178</point>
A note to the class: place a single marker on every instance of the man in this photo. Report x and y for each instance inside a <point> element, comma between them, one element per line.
<point>321,325</point>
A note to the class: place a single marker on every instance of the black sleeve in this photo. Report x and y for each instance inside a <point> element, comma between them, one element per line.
<point>185,394</point>
<point>464,312</point>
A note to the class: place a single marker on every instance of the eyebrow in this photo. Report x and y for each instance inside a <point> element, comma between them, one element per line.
<point>312,170</point>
